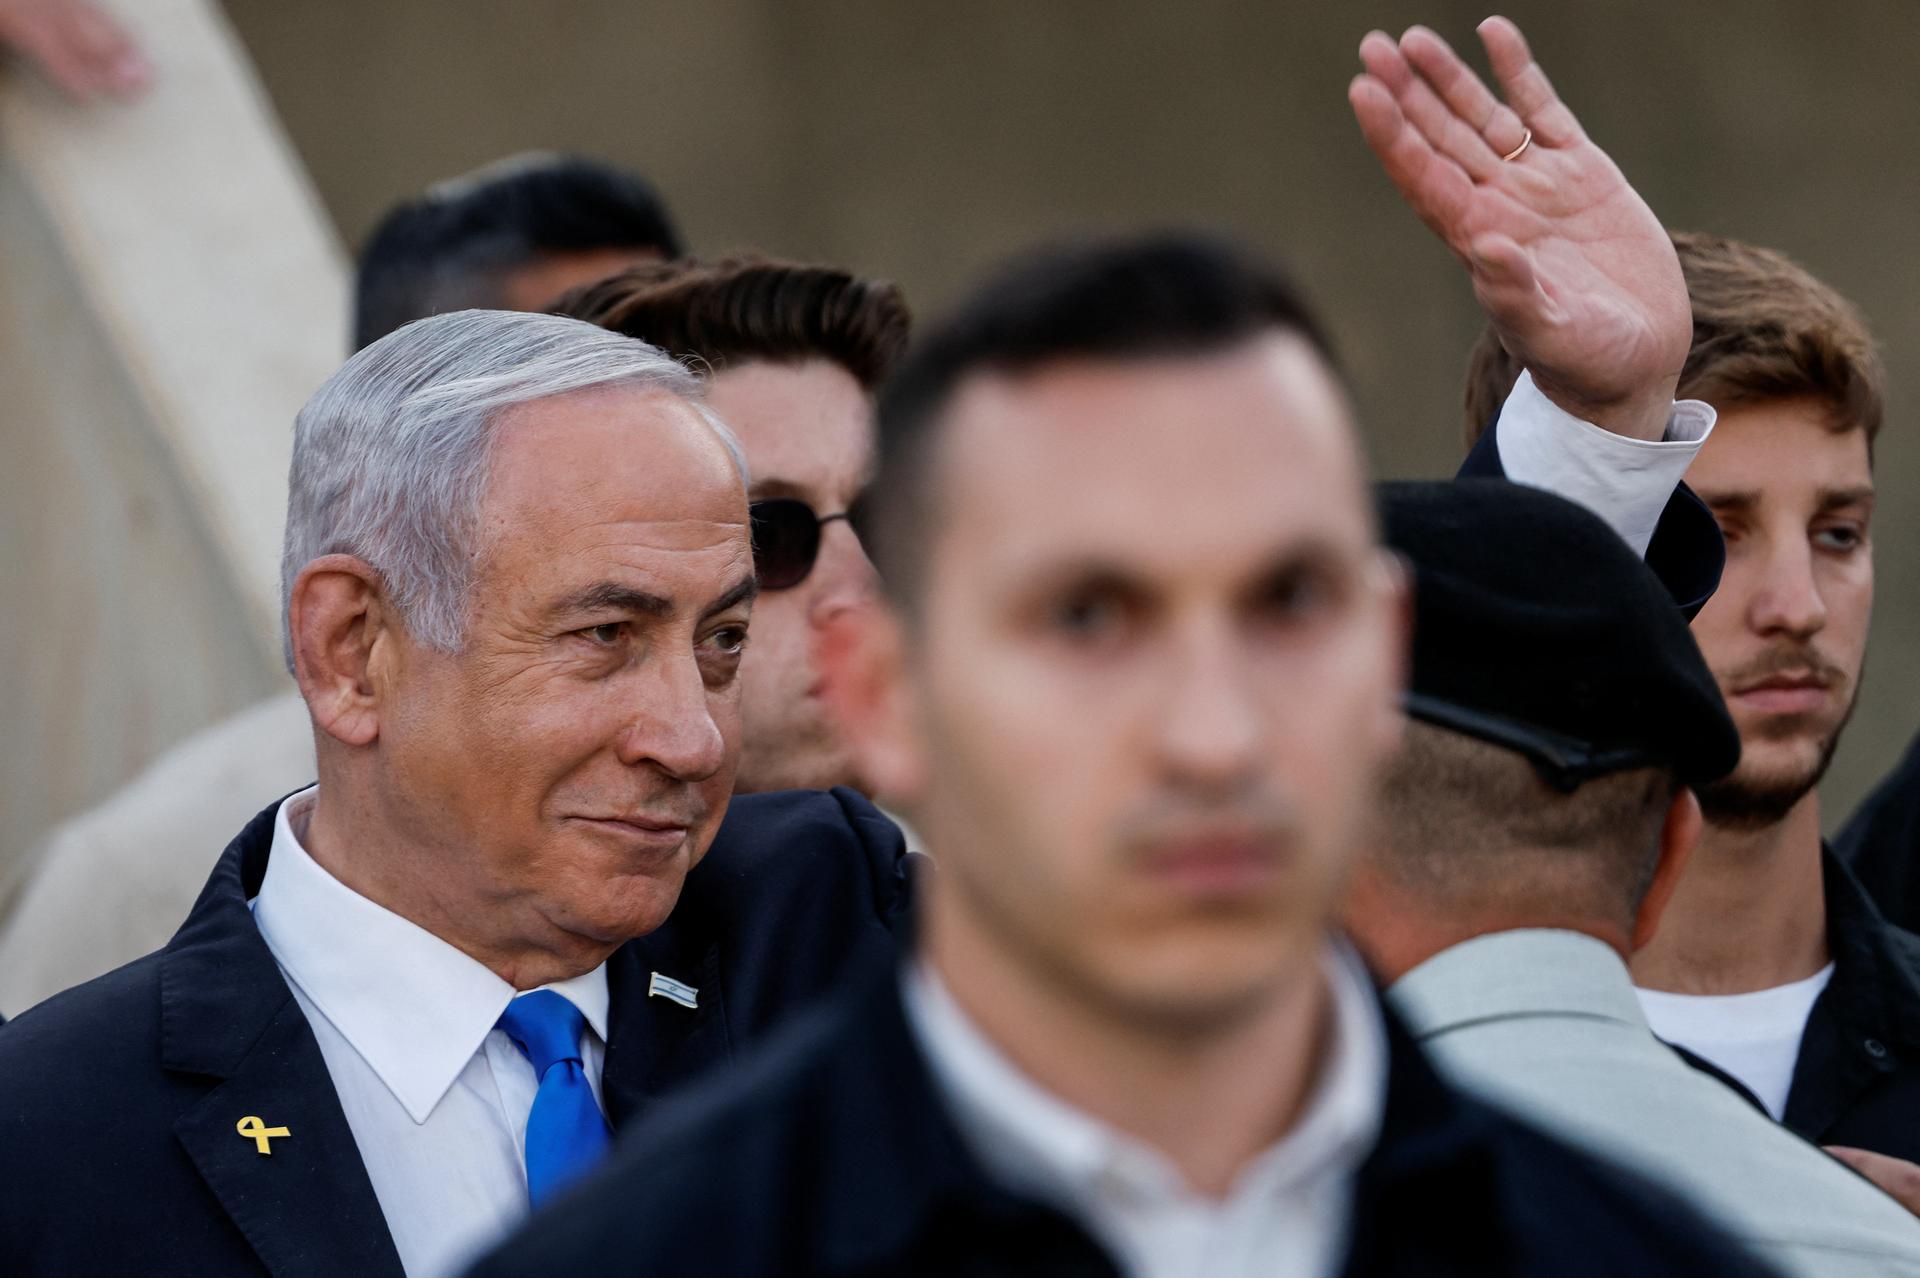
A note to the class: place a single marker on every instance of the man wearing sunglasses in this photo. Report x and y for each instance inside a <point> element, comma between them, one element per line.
<point>796,353</point>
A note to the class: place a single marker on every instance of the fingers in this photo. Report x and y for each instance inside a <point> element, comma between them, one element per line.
<point>1436,188</point>
<point>1495,125</point>
<point>1447,129</point>
<point>1897,1177</point>
<point>79,46</point>
<point>1525,84</point>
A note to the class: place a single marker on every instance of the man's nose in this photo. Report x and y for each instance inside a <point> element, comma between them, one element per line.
<point>673,727</point>
<point>1211,727</point>
<point>1788,601</point>
<point>843,576</point>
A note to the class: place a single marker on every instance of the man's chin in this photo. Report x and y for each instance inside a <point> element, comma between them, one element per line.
<point>1756,797</point>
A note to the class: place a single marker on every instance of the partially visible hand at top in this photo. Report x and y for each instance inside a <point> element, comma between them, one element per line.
<point>1577,275</point>
<point>78,45</point>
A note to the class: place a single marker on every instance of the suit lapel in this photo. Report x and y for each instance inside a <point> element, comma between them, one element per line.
<point>306,1207</point>
<point>655,1043</point>
<point>227,1018</point>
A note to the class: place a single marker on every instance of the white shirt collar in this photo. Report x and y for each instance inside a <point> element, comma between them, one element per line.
<point>415,1008</point>
<point>1033,1140</point>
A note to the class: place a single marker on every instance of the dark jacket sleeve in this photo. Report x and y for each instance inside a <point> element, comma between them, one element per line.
<point>1686,553</point>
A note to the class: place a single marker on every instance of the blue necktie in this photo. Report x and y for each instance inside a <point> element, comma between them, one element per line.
<point>565,1133</point>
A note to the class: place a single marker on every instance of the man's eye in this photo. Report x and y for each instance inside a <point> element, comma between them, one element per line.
<point>1297,595</point>
<point>607,632</point>
<point>1840,537</point>
<point>730,640</point>
<point>1088,616</point>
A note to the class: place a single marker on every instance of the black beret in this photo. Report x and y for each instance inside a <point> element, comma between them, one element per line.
<point>1537,628</point>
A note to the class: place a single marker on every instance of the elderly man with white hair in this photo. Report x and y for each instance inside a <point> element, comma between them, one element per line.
<point>414,998</point>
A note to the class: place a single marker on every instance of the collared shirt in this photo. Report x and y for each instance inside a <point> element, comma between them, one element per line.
<point>1627,482</point>
<point>1544,1021</point>
<point>1288,1210</point>
<point>436,1096</point>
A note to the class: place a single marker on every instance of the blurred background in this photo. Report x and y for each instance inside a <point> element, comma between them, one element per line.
<point>911,140</point>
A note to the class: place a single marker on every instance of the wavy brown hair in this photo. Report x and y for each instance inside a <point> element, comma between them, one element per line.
<point>1763,329</point>
<point>752,308</point>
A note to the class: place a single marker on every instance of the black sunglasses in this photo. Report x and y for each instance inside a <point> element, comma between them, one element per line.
<point>786,538</point>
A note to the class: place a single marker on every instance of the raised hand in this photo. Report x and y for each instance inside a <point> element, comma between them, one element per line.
<point>1576,273</point>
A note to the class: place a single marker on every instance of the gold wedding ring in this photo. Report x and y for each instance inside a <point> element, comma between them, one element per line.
<point>1520,150</point>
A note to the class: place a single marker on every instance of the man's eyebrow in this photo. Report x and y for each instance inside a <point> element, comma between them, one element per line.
<point>742,591</point>
<point>1834,498</point>
<point>610,596</point>
<point>1733,501</point>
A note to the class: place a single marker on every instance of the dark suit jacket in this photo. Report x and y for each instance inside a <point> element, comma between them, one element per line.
<point>833,1154</point>
<point>119,1099</point>
<point>1687,552</point>
<point>1881,842</point>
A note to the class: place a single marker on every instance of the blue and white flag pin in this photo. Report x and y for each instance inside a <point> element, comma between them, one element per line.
<point>666,987</point>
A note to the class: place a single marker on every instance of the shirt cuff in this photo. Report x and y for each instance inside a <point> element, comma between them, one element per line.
<point>1626,482</point>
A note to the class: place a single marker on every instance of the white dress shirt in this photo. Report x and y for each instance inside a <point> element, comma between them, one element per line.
<point>1288,1211</point>
<point>437,1098</point>
<point>1627,482</point>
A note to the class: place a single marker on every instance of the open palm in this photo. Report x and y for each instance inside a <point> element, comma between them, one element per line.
<point>1577,274</point>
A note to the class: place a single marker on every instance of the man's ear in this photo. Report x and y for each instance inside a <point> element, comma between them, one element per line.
<point>861,655</point>
<point>1679,833</point>
<point>342,629</point>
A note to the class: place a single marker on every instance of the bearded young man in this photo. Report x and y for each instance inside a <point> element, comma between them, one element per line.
<point>1773,964</point>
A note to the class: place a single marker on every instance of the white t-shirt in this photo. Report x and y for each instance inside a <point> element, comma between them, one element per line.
<point>1754,1037</point>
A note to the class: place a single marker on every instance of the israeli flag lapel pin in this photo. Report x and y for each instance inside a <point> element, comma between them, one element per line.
<point>663,986</point>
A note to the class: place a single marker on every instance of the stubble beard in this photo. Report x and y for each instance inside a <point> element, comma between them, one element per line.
<point>1745,804</point>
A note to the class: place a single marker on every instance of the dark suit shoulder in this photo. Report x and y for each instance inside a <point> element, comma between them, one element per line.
<point>825,843</point>
<point>110,1017</point>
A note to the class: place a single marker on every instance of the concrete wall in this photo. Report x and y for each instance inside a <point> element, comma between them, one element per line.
<point>922,140</point>
<point>170,293</point>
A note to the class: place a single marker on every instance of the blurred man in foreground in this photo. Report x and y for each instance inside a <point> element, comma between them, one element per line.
<point>1772,963</point>
<point>1144,668</point>
<point>413,999</point>
<point>1533,830</point>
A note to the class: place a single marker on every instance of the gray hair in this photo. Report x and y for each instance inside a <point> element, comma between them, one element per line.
<point>392,454</point>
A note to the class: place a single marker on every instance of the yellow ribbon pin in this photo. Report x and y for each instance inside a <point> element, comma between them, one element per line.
<point>259,1133</point>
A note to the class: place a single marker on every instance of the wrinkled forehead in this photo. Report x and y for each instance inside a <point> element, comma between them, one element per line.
<point>1180,465</point>
<point>580,466</point>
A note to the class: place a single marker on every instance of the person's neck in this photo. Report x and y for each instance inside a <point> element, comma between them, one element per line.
<point>347,839</point>
<point>1750,912</point>
<point>1397,928</point>
<point>1211,1100</point>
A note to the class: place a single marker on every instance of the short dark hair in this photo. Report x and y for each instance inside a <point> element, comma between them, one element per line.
<point>1764,328</point>
<point>752,308</point>
<point>1469,825</point>
<point>446,249</point>
<point>1178,293</point>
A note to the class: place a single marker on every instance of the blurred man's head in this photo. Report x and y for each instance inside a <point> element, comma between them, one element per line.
<point>512,236</point>
<point>1149,647</point>
<point>518,579</point>
<point>1560,709</point>
<point>1788,472</point>
<point>795,354</point>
